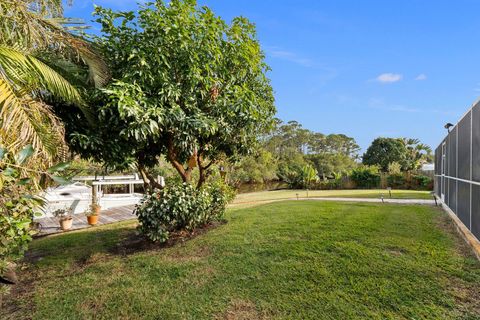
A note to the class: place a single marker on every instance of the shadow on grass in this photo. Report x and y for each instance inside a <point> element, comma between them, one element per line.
<point>122,239</point>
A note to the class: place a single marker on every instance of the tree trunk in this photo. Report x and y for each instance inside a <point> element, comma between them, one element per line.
<point>149,182</point>
<point>186,174</point>
<point>203,173</point>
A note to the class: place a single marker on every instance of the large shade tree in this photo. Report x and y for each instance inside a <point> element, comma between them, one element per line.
<point>293,145</point>
<point>187,85</point>
<point>409,153</point>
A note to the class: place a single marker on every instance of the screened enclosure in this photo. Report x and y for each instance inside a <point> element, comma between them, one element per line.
<point>457,169</point>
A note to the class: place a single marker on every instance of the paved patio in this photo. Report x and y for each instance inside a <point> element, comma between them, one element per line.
<point>52,226</point>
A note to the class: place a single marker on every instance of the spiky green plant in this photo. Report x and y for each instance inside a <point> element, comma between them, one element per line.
<point>33,45</point>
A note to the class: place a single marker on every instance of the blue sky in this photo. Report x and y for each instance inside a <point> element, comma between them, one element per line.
<point>363,68</point>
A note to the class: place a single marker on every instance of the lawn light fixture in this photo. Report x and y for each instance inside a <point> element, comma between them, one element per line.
<point>448,126</point>
<point>434,197</point>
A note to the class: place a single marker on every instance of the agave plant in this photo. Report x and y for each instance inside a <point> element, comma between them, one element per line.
<point>41,60</point>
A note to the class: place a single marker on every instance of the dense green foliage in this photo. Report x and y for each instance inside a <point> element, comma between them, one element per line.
<point>186,85</point>
<point>410,154</point>
<point>19,202</point>
<point>329,154</point>
<point>366,176</point>
<point>302,178</point>
<point>286,150</point>
<point>17,207</point>
<point>290,148</point>
<point>286,260</point>
<point>41,63</point>
<point>43,66</point>
<point>180,207</point>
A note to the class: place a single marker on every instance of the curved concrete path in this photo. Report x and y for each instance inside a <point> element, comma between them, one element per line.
<point>375,200</point>
<point>369,200</point>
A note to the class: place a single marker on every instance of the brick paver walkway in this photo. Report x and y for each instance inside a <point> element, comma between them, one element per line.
<point>51,225</point>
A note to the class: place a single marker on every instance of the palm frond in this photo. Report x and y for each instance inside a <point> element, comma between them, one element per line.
<point>29,72</point>
<point>27,121</point>
<point>40,30</point>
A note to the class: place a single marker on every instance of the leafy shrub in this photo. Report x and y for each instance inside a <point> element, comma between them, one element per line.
<point>303,177</point>
<point>18,203</point>
<point>221,194</point>
<point>394,168</point>
<point>396,180</point>
<point>366,176</point>
<point>17,209</point>
<point>181,207</point>
<point>423,182</point>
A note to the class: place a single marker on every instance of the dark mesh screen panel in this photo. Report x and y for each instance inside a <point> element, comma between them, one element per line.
<point>463,202</point>
<point>446,187</point>
<point>447,153</point>
<point>476,144</point>
<point>452,195</point>
<point>438,159</point>
<point>452,153</point>
<point>464,148</point>
<point>462,166</point>
<point>476,211</point>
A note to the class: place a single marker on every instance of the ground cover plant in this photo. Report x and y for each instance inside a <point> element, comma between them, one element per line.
<point>294,259</point>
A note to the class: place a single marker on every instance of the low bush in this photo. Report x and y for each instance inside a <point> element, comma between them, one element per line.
<point>366,176</point>
<point>422,182</point>
<point>300,177</point>
<point>181,207</point>
<point>18,204</point>
<point>397,181</point>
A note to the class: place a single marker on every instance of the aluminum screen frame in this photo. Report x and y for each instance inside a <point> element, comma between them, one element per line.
<point>457,169</point>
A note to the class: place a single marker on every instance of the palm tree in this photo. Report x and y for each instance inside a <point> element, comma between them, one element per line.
<point>417,153</point>
<point>41,60</point>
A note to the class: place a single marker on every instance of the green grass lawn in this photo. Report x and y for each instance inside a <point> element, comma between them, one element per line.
<point>284,260</point>
<point>357,193</point>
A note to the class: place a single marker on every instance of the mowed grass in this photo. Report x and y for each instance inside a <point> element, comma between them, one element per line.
<point>284,260</point>
<point>357,193</point>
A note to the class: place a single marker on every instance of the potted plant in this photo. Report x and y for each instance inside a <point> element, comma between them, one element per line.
<point>92,214</point>
<point>64,217</point>
<point>95,207</point>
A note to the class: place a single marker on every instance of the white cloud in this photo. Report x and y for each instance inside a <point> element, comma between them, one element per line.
<point>421,76</point>
<point>289,56</point>
<point>389,77</point>
<point>380,104</point>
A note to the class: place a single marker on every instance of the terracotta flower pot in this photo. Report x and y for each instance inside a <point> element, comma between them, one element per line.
<point>92,220</point>
<point>66,223</point>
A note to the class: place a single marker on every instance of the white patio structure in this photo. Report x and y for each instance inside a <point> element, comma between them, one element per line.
<point>79,195</point>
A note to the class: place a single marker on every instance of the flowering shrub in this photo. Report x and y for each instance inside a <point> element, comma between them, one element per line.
<point>180,207</point>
